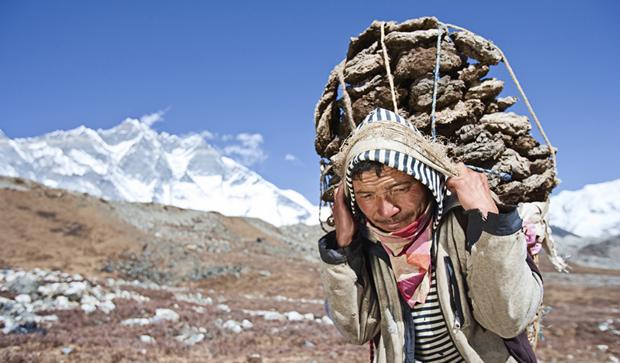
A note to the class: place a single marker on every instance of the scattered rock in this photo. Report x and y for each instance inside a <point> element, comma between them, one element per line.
<point>147,339</point>
<point>136,321</point>
<point>21,283</point>
<point>294,316</point>
<point>67,350</point>
<point>165,315</point>
<point>246,324</point>
<point>191,335</point>
<point>53,290</point>
<point>232,326</point>
<point>88,308</point>
<point>195,298</point>
<point>273,315</point>
<point>23,299</point>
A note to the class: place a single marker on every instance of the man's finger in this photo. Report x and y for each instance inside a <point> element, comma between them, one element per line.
<point>453,182</point>
<point>461,169</point>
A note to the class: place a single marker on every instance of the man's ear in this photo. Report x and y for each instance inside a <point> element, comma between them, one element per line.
<point>358,215</point>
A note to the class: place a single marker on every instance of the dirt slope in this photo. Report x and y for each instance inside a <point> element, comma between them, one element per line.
<point>55,229</point>
<point>245,264</point>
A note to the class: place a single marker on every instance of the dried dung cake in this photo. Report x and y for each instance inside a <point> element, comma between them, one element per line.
<point>471,119</point>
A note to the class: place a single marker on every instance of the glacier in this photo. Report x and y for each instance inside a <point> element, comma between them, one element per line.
<point>135,163</point>
<point>593,211</point>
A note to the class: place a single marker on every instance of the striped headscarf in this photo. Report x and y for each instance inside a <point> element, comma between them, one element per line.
<point>396,157</point>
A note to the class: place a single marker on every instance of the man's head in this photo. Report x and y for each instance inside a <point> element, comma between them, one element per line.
<point>391,140</point>
<point>389,198</point>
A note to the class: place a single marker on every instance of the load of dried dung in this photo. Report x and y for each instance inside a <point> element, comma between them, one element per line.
<point>450,86</point>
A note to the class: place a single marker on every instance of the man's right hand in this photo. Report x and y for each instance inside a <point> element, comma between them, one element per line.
<point>343,219</point>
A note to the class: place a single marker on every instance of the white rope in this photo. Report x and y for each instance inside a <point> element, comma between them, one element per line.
<point>531,110</point>
<point>345,96</point>
<point>525,99</point>
<point>386,61</point>
<point>436,83</point>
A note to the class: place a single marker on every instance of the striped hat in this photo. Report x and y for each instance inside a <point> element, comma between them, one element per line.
<point>397,157</point>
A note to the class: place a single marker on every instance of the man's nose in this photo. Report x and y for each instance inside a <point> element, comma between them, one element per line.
<point>387,209</point>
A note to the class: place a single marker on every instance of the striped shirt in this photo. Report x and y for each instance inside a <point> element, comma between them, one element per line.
<point>433,342</point>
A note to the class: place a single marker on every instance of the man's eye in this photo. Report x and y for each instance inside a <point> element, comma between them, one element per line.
<point>365,196</point>
<point>402,189</point>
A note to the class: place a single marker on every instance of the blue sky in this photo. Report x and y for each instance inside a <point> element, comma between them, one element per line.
<point>256,69</point>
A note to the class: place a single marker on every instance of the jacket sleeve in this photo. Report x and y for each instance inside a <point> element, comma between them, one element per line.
<point>505,293</point>
<point>351,301</point>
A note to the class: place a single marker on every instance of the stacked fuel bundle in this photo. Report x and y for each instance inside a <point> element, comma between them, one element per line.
<point>471,120</point>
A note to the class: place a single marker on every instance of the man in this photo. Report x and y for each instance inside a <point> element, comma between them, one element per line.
<point>423,264</point>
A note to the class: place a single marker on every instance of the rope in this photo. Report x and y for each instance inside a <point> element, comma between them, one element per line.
<point>345,96</point>
<point>386,61</point>
<point>435,84</point>
<point>527,102</point>
<point>325,168</point>
<point>529,107</point>
<point>537,323</point>
<point>502,175</point>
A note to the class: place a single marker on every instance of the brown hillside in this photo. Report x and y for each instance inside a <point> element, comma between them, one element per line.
<point>244,266</point>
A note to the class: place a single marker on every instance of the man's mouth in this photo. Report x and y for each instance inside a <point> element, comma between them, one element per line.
<point>391,223</point>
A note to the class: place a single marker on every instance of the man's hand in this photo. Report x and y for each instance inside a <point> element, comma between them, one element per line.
<point>343,218</point>
<point>472,190</point>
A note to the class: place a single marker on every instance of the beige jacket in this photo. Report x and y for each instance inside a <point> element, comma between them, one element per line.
<point>486,289</point>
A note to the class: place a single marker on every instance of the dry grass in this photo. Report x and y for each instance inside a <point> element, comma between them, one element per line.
<point>78,234</point>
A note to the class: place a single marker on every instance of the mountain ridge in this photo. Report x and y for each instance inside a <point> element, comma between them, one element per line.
<point>592,211</point>
<point>133,162</point>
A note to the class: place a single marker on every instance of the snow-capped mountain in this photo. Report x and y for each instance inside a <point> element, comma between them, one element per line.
<point>593,211</point>
<point>135,163</point>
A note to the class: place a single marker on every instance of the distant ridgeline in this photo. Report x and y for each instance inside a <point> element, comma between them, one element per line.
<point>132,162</point>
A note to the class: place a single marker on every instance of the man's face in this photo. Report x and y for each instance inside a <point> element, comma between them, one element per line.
<point>390,201</point>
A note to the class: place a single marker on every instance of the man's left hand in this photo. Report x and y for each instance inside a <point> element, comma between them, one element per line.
<point>472,190</point>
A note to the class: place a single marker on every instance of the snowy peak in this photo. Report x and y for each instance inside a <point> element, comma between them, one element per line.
<point>593,211</point>
<point>133,162</point>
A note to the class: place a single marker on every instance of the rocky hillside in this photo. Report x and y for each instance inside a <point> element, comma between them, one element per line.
<point>83,279</point>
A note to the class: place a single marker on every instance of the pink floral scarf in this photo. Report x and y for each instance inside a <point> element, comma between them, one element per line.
<point>409,250</point>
